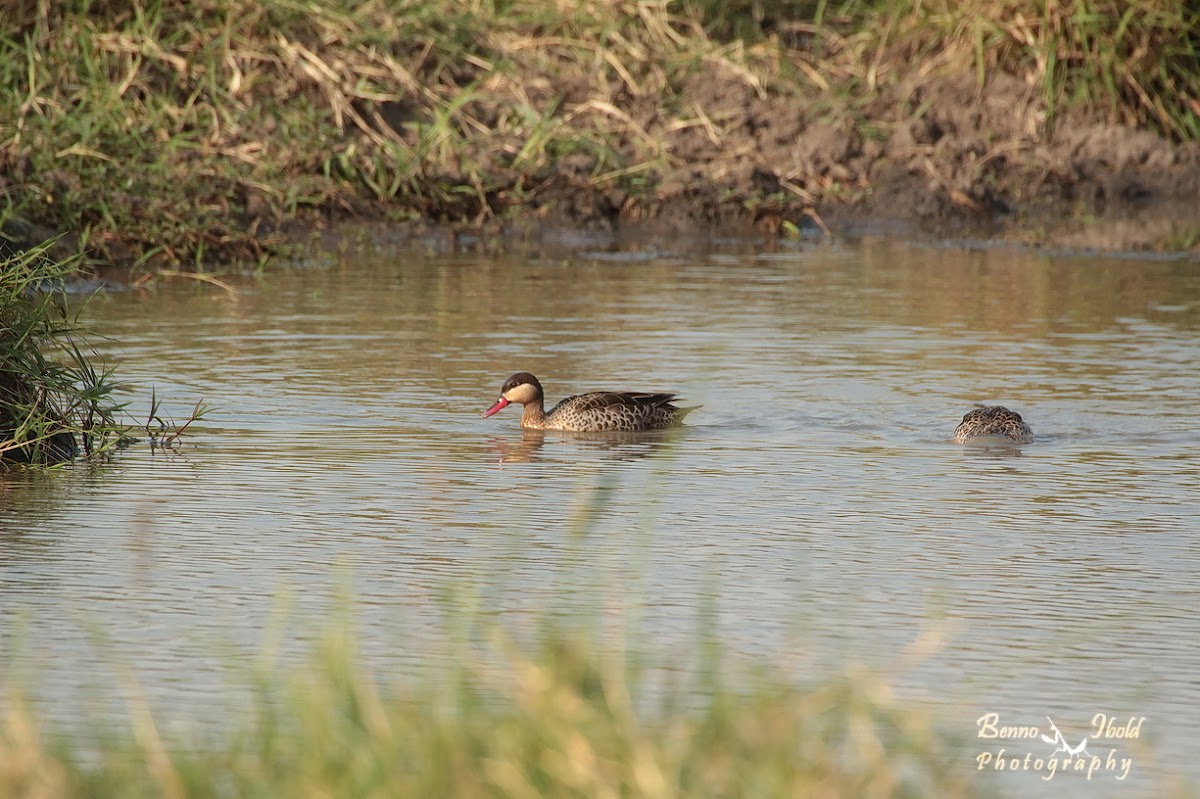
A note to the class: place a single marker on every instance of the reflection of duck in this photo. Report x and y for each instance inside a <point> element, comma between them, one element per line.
<point>596,412</point>
<point>993,420</point>
<point>619,445</point>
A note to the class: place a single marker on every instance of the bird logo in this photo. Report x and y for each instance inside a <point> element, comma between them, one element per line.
<point>1061,742</point>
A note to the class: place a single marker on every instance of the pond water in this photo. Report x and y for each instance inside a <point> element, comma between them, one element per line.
<point>811,512</point>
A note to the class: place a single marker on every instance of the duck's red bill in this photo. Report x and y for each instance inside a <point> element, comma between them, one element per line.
<point>500,403</point>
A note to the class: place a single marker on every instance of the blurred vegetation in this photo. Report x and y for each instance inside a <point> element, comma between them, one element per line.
<point>562,715</point>
<point>181,131</point>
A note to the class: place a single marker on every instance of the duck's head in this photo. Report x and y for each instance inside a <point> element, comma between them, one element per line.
<point>520,388</point>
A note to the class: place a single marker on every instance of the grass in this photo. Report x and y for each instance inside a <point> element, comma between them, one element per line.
<point>561,715</point>
<point>173,132</point>
<point>56,402</point>
<point>1133,62</point>
<point>53,400</point>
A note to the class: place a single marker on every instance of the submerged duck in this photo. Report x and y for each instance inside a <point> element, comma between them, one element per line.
<point>993,420</point>
<point>596,412</point>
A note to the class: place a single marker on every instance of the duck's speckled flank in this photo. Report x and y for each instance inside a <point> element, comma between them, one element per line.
<point>607,410</point>
<point>596,412</point>
<point>993,420</point>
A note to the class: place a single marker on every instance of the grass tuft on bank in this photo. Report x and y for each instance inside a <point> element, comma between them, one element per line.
<point>165,131</point>
<point>57,399</point>
<point>561,717</point>
<point>55,403</point>
<point>1131,62</point>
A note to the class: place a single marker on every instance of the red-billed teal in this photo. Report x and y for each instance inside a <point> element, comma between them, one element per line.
<point>993,421</point>
<point>596,412</point>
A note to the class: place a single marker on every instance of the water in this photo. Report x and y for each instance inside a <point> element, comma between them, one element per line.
<point>812,508</point>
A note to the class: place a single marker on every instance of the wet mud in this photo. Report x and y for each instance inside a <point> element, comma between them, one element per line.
<point>945,158</point>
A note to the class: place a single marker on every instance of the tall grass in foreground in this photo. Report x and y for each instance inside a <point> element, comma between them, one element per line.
<point>563,717</point>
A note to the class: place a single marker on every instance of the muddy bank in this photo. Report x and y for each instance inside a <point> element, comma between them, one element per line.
<point>149,139</point>
<point>945,159</point>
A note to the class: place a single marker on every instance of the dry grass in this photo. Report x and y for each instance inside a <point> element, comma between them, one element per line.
<point>181,129</point>
<point>1134,62</point>
<point>180,132</point>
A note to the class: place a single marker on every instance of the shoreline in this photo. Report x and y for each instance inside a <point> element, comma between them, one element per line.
<point>176,136</point>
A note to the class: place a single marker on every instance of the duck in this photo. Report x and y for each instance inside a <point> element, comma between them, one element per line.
<point>993,421</point>
<point>594,412</point>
